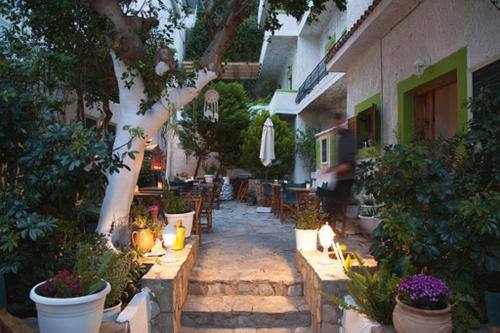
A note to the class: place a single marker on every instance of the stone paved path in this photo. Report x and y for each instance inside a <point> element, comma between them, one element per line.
<point>245,245</point>
<point>245,279</point>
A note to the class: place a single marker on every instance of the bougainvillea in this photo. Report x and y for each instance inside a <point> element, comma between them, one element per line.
<point>63,285</point>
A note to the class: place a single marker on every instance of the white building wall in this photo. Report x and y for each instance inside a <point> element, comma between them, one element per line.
<point>308,56</point>
<point>433,31</point>
<point>363,77</point>
<point>283,76</point>
<point>336,24</point>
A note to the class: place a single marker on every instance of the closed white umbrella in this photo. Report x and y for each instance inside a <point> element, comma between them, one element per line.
<point>267,143</point>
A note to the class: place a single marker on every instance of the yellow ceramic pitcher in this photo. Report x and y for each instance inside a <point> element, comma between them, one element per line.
<point>179,236</point>
<point>143,239</point>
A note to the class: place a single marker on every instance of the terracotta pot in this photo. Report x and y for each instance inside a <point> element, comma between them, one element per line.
<point>408,319</point>
<point>143,239</point>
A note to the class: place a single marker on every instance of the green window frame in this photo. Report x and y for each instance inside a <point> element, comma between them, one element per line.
<point>366,105</point>
<point>456,62</point>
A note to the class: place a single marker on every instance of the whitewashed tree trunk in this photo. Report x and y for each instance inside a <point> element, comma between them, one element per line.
<point>120,189</point>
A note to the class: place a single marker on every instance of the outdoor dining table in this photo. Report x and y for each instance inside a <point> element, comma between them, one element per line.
<point>303,194</point>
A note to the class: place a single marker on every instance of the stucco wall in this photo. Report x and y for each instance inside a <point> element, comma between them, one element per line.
<point>336,24</point>
<point>308,56</point>
<point>363,77</point>
<point>434,30</point>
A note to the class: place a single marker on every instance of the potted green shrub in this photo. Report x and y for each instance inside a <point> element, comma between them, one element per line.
<point>372,295</point>
<point>369,214</point>
<point>422,306</point>
<point>74,302</point>
<point>176,209</point>
<point>306,230</point>
<point>118,278</point>
<point>210,171</point>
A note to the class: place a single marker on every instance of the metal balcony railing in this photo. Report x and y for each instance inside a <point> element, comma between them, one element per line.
<point>311,81</point>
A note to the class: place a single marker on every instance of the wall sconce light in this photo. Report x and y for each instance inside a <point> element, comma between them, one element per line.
<point>419,66</point>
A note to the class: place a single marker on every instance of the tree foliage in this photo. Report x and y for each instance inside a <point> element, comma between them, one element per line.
<point>306,147</point>
<point>50,172</point>
<point>245,47</point>
<point>202,137</point>
<point>284,147</point>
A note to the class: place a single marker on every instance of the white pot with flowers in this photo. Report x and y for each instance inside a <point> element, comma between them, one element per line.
<point>74,302</point>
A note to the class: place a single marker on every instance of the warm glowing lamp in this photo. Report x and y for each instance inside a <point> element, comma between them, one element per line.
<point>168,241</point>
<point>326,236</point>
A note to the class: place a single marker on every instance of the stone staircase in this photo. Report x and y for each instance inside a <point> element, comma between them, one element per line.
<point>244,306</point>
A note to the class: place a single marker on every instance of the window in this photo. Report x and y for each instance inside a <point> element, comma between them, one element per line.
<point>324,151</point>
<point>366,127</point>
<point>436,109</point>
<point>487,77</point>
<point>290,77</point>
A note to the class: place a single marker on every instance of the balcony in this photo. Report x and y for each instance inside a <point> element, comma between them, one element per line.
<point>311,81</point>
<point>283,102</point>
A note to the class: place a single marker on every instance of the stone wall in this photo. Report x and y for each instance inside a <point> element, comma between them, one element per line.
<point>169,285</point>
<point>320,281</point>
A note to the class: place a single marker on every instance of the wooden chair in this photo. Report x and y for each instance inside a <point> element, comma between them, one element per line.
<point>265,195</point>
<point>207,195</point>
<point>217,191</point>
<point>288,201</point>
<point>194,197</point>
<point>242,191</point>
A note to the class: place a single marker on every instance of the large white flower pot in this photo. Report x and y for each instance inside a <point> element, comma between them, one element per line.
<point>368,223</point>
<point>209,179</point>
<point>75,314</point>
<point>186,218</point>
<point>306,240</point>
<point>110,314</point>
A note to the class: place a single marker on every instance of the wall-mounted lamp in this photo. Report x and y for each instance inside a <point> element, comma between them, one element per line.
<point>419,66</point>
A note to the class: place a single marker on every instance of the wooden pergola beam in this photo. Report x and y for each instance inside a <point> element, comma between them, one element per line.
<point>233,70</point>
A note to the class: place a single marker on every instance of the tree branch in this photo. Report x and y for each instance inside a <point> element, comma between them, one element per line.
<point>126,38</point>
<point>238,11</point>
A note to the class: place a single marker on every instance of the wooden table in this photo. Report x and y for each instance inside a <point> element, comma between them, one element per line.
<point>302,193</point>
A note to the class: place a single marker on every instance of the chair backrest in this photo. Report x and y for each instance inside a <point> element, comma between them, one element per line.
<point>289,196</point>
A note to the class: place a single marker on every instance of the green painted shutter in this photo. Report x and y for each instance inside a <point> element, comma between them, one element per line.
<point>333,141</point>
<point>318,154</point>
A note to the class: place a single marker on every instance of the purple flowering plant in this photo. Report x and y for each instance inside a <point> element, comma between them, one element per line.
<point>424,292</point>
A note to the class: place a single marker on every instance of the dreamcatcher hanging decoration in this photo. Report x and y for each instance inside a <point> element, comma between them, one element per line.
<point>211,107</point>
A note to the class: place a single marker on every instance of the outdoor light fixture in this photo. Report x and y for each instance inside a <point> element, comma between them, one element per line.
<point>168,241</point>
<point>419,66</point>
<point>326,235</point>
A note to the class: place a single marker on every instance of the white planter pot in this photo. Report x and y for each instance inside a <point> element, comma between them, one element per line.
<point>352,212</point>
<point>75,314</point>
<point>226,180</point>
<point>110,314</point>
<point>186,218</point>
<point>209,179</point>
<point>306,240</point>
<point>368,223</point>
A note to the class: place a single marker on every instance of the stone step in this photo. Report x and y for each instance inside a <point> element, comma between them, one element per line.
<point>250,287</point>
<point>245,311</point>
<point>247,330</point>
